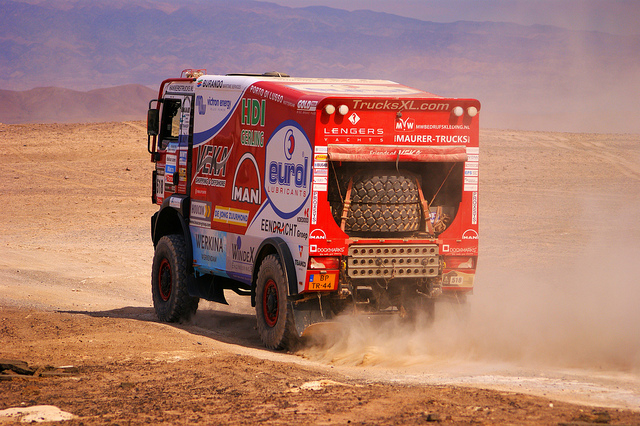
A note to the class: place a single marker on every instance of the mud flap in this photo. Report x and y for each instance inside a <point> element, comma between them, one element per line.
<point>205,288</point>
<point>308,312</point>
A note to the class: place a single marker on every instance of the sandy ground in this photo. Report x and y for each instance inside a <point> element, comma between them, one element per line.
<point>552,334</point>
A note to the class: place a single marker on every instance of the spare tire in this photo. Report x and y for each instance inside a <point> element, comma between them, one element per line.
<point>381,202</point>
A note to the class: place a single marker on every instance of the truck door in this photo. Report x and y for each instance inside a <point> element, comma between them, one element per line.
<point>175,140</point>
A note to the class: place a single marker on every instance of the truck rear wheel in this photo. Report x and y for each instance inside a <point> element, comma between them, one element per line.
<point>169,276</point>
<point>273,313</point>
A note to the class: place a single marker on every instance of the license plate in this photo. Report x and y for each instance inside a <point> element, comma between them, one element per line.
<point>319,281</point>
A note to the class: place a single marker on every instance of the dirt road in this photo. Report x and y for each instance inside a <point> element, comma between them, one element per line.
<point>553,321</point>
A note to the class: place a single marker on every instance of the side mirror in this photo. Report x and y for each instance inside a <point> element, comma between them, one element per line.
<point>153,122</point>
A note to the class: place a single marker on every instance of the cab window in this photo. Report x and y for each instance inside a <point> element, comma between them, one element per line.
<point>170,127</point>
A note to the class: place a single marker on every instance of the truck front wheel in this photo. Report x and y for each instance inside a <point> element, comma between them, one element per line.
<point>273,313</point>
<point>169,276</point>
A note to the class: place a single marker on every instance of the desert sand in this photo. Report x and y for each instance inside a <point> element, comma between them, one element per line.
<point>551,335</point>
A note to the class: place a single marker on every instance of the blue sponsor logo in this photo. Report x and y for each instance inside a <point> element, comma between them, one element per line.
<point>201,106</point>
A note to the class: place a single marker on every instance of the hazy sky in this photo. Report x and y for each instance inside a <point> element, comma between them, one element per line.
<point>612,16</point>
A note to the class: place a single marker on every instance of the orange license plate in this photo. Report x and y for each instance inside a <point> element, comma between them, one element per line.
<point>318,281</point>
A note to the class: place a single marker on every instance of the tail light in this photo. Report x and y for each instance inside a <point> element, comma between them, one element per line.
<point>462,262</point>
<point>324,262</point>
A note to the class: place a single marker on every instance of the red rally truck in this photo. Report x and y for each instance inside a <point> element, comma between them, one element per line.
<point>311,196</point>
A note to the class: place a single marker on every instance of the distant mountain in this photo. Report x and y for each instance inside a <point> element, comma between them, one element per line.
<point>56,105</point>
<point>536,77</point>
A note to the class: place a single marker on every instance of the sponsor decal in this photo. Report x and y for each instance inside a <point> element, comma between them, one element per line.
<point>463,250</point>
<point>200,213</point>
<point>472,157</point>
<point>201,107</point>
<point>317,234</point>
<point>321,157</point>
<point>212,161</point>
<point>470,234</point>
<point>471,173</point>
<point>212,243</point>
<point>209,247</point>
<point>219,104</point>
<point>413,138</point>
<point>335,251</point>
<point>314,208</point>
<point>404,105</point>
<point>172,148</point>
<point>180,88</point>
<point>305,105</point>
<point>240,254</point>
<point>175,202</point>
<point>354,118</point>
<point>287,182</point>
<point>231,216</point>
<point>305,217</point>
<point>321,149</point>
<point>207,83</point>
<point>253,112</point>
<point>182,158</point>
<point>200,192</point>
<point>406,125</point>
<point>252,138</point>
<point>282,228</point>
<point>353,131</point>
<point>474,208</point>
<point>289,144</point>
<point>247,187</point>
<point>472,180</point>
<point>300,263</point>
<point>170,168</point>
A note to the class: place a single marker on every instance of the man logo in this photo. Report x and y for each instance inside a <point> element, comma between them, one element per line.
<point>470,234</point>
<point>246,187</point>
<point>354,118</point>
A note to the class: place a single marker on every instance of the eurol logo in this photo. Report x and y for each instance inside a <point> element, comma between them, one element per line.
<point>470,234</point>
<point>288,157</point>
<point>289,144</point>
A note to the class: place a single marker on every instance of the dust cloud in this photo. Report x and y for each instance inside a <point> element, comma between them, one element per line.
<point>581,314</point>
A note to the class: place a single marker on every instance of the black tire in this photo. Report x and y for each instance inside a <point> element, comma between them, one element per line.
<point>385,202</point>
<point>169,277</point>
<point>384,188</point>
<point>273,312</point>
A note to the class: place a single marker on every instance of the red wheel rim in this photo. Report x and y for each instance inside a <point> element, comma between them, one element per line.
<point>270,303</point>
<point>164,280</point>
